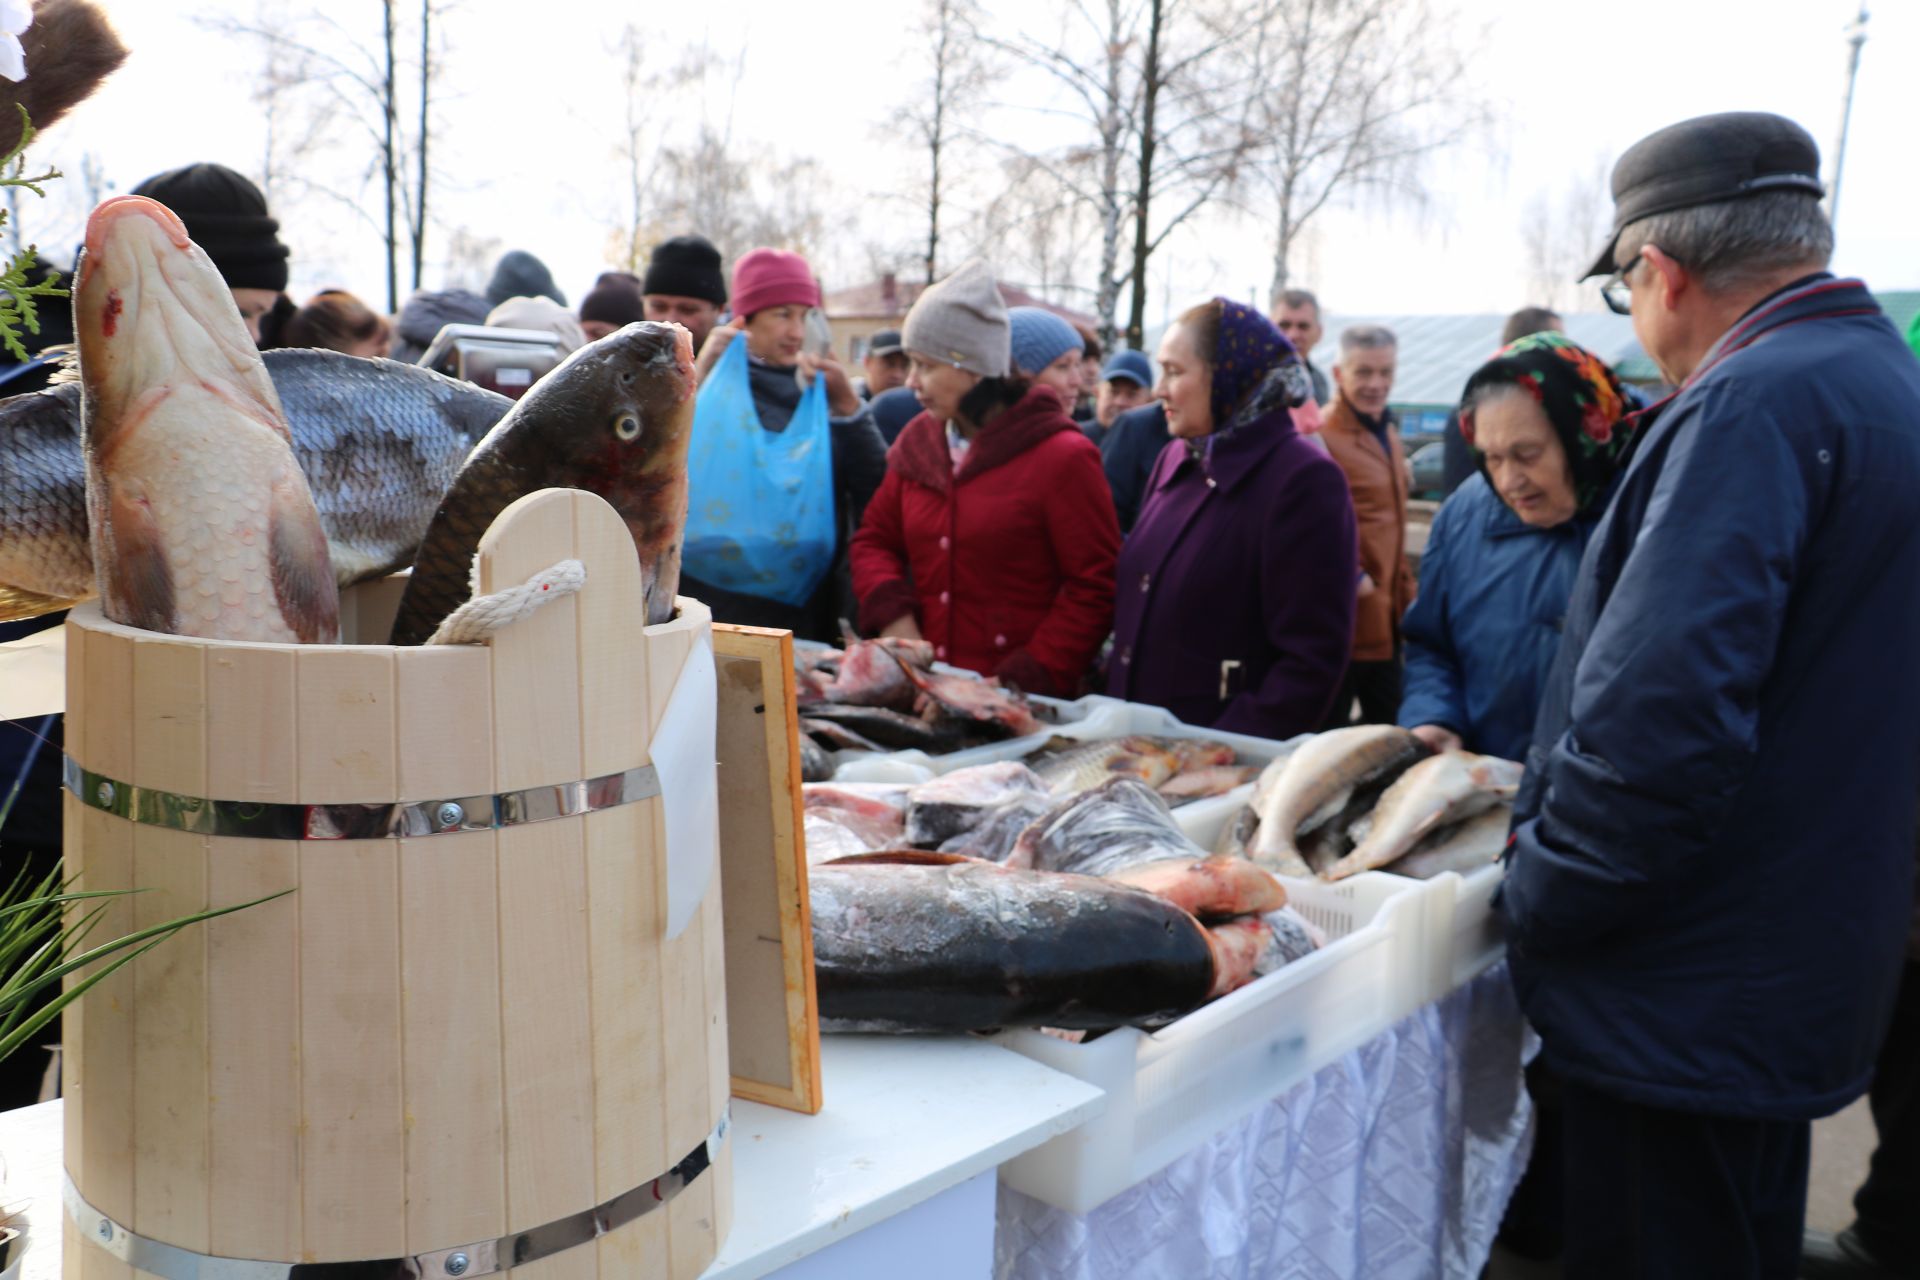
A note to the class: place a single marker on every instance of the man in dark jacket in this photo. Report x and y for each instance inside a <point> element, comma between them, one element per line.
<point>1127,452</point>
<point>1711,870</point>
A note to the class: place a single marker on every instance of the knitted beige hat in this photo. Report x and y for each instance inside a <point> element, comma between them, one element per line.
<point>962,321</point>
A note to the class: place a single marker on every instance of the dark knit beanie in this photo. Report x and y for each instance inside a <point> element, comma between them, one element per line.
<point>227,217</point>
<point>519,274</point>
<point>687,267</point>
<point>613,302</point>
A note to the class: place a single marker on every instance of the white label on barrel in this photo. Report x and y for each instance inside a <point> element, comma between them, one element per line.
<point>685,755</point>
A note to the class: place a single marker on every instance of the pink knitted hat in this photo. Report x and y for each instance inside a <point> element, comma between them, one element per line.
<point>772,278</point>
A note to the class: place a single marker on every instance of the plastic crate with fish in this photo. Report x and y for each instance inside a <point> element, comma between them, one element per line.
<point>1084,717</point>
<point>1208,813</point>
<point>1472,939</point>
<point>1170,1090</point>
<point>884,711</point>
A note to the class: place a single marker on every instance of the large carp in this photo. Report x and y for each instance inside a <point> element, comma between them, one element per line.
<point>614,419</point>
<point>201,520</point>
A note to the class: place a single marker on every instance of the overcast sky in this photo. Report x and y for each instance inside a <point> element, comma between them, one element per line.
<point>531,122</point>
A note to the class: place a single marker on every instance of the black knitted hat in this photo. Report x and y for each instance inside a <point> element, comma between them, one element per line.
<point>227,217</point>
<point>687,267</point>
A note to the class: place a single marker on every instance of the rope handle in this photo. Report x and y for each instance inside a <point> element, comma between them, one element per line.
<point>478,619</point>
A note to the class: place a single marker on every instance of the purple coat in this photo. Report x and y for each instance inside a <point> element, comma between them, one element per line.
<point>1235,600</point>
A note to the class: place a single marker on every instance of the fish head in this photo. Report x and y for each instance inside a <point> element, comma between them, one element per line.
<point>615,419</point>
<point>151,313</point>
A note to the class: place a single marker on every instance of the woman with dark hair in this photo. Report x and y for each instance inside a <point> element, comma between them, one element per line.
<point>1544,419</point>
<point>338,321</point>
<point>993,534</point>
<point>1236,586</point>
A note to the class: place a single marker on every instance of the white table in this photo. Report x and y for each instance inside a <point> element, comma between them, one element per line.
<point>899,1162</point>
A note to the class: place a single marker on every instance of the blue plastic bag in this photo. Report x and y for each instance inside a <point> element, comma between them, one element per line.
<point>760,516</point>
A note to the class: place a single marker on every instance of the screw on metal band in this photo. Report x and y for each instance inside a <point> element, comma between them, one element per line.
<point>462,1262</point>
<point>261,821</point>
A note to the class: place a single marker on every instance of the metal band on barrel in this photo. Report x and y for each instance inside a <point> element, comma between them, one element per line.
<point>263,821</point>
<point>462,1262</point>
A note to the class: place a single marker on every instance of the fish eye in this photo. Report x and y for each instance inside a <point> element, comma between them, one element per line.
<point>626,378</point>
<point>626,426</point>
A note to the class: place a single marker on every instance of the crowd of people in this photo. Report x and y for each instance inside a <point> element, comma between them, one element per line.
<point>1690,620</point>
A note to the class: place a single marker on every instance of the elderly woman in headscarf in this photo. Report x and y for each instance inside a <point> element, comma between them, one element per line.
<point>1546,421</point>
<point>1235,592</point>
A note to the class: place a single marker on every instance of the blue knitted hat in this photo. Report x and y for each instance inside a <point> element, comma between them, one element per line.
<point>1039,338</point>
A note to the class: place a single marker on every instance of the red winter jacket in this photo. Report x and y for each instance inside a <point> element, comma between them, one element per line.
<point>1007,566</point>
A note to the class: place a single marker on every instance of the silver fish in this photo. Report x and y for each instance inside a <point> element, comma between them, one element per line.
<point>1440,791</point>
<point>1301,792</point>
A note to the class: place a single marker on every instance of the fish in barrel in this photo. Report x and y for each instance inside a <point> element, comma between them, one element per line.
<point>201,521</point>
<point>614,419</point>
<point>941,943</point>
<point>379,442</point>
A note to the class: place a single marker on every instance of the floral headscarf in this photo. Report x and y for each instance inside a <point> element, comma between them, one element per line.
<point>1255,369</point>
<point>1582,398</point>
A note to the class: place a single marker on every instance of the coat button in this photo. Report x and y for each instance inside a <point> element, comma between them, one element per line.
<point>1146,581</point>
<point>1212,483</point>
<point>945,542</point>
<point>940,651</point>
<point>1126,654</point>
<point>946,597</point>
<point>1000,642</point>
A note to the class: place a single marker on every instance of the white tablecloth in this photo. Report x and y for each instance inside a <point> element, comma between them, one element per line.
<point>1396,1161</point>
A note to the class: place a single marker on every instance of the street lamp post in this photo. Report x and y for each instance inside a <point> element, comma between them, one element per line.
<point>1856,37</point>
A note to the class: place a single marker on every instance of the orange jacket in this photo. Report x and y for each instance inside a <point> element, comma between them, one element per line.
<point>1378,482</point>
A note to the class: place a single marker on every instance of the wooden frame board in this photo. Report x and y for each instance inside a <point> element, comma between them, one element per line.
<point>773,1015</point>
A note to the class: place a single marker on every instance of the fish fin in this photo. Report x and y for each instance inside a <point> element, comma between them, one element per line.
<point>901,857</point>
<point>65,358</point>
<point>303,583</point>
<point>17,603</point>
<point>1284,861</point>
<point>662,584</point>
<point>141,577</point>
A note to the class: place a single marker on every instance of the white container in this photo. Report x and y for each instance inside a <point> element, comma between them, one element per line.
<point>1169,1091</point>
<point>1477,936</point>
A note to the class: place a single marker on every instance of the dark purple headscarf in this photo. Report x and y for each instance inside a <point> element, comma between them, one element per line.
<point>1255,369</point>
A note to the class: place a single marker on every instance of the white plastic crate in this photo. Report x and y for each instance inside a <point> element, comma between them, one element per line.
<point>1171,1090</point>
<point>1477,937</point>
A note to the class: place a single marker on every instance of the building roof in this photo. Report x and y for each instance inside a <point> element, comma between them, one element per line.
<point>1439,353</point>
<point>889,297</point>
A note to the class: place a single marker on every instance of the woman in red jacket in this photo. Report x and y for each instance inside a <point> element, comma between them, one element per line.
<point>993,534</point>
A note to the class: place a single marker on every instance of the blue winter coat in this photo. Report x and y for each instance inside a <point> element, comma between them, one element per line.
<point>1481,635</point>
<point>1711,873</point>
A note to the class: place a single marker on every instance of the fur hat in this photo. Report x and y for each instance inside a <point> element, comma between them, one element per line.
<point>226,216</point>
<point>962,321</point>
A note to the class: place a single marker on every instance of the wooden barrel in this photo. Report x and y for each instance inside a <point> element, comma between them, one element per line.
<point>466,1049</point>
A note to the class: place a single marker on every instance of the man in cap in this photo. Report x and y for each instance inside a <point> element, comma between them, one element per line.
<point>1710,875</point>
<point>684,284</point>
<point>886,365</point>
<point>1125,383</point>
<point>226,215</point>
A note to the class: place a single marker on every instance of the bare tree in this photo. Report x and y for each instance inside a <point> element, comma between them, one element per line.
<point>314,65</point>
<point>1163,121</point>
<point>1350,96</point>
<point>1558,232</point>
<point>1038,230</point>
<point>961,72</point>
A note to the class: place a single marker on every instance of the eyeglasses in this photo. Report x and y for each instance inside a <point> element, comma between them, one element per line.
<point>1617,293</point>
